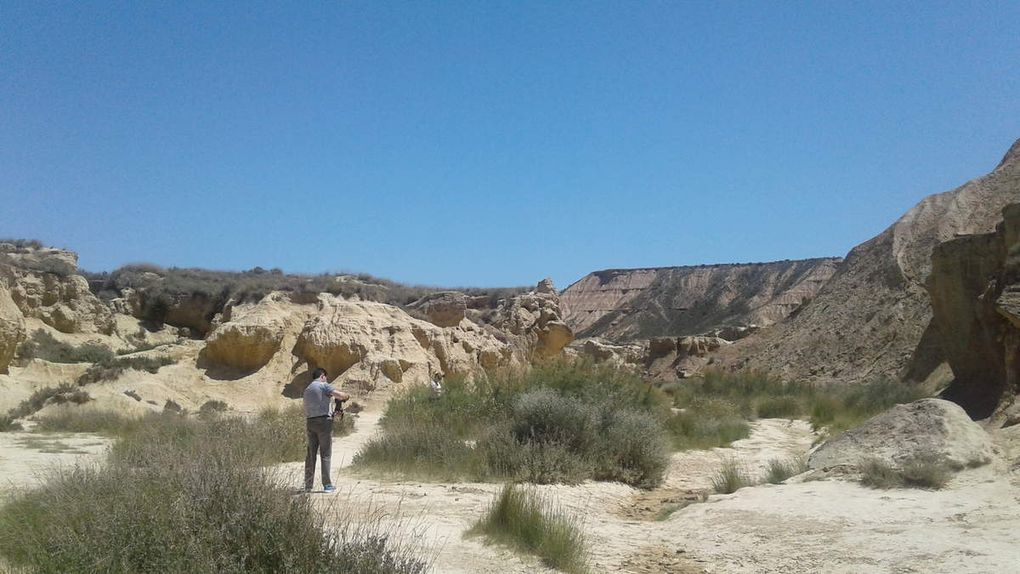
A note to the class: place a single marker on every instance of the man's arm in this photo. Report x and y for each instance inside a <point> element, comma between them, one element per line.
<point>338,394</point>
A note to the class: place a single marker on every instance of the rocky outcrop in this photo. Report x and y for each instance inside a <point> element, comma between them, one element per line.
<point>251,336</point>
<point>930,428</point>
<point>671,358</point>
<point>357,341</point>
<point>602,351</point>
<point>975,294</point>
<point>443,309</point>
<point>533,321</point>
<point>44,284</point>
<point>873,317</point>
<point>12,328</point>
<point>628,304</point>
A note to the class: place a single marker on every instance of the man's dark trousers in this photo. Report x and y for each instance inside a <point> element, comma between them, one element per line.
<point>320,441</point>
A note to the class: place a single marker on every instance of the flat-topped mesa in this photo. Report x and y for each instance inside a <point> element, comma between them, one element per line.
<point>627,304</point>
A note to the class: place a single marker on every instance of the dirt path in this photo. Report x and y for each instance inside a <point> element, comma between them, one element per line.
<point>434,517</point>
<point>26,457</point>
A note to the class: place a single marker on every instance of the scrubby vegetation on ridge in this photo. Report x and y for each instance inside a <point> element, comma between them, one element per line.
<point>256,283</point>
<point>522,519</point>
<point>180,494</point>
<point>557,423</point>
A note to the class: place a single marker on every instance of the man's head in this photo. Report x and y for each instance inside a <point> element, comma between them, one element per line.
<point>319,374</point>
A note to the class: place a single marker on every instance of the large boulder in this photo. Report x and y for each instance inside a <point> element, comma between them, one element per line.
<point>250,338</point>
<point>12,328</point>
<point>44,285</point>
<point>443,309</point>
<point>928,428</point>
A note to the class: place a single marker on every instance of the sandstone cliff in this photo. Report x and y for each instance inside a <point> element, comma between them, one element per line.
<point>628,304</point>
<point>872,318</point>
<point>975,295</point>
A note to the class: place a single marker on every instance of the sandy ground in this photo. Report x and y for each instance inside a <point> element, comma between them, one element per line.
<point>808,527</point>
<point>803,527</point>
<point>26,457</point>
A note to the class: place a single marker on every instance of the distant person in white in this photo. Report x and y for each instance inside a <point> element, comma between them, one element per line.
<point>319,423</point>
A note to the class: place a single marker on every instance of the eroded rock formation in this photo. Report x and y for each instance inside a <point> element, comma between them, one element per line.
<point>534,322</point>
<point>628,304</point>
<point>251,336</point>
<point>44,284</point>
<point>443,309</point>
<point>12,328</point>
<point>359,340</point>
<point>975,291</point>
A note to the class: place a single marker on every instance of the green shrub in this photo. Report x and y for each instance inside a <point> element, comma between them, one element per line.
<point>86,421</point>
<point>778,471</point>
<point>695,428</point>
<point>924,471</point>
<point>208,507</point>
<point>876,473</point>
<point>781,406</point>
<point>42,345</point>
<point>110,369</point>
<point>38,399</point>
<point>558,423</point>
<point>731,478</point>
<point>7,424</point>
<point>523,520</point>
<point>212,408</point>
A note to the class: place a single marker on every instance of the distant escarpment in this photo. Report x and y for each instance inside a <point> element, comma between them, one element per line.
<point>873,318</point>
<point>629,304</point>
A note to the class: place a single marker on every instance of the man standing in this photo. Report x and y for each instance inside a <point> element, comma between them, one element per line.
<point>319,423</point>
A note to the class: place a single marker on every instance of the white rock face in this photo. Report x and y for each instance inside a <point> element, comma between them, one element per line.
<point>928,427</point>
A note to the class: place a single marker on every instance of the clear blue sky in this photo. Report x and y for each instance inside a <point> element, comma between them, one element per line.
<point>485,143</point>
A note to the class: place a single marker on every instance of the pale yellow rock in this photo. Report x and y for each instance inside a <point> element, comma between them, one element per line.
<point>12,328</point>
<point>251,337</point>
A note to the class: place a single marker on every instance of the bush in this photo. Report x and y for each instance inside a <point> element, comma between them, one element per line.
<point>38,399</point>
<point>924,471</point>
<point>749,394</point>
<point>212,409</point>
<point>778,471</point>
<point>558,423</point>
<point>208,507</point>
<point>731,478</point>
<point>8,424</point>
<point>42,345</point>
<point>782,406</point>
<point>876,473</point>
<point>111,368</point>
<point>523,520</point>
<point>86,420</point>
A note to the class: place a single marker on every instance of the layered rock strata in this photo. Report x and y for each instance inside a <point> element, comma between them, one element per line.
<point>628,304</point>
